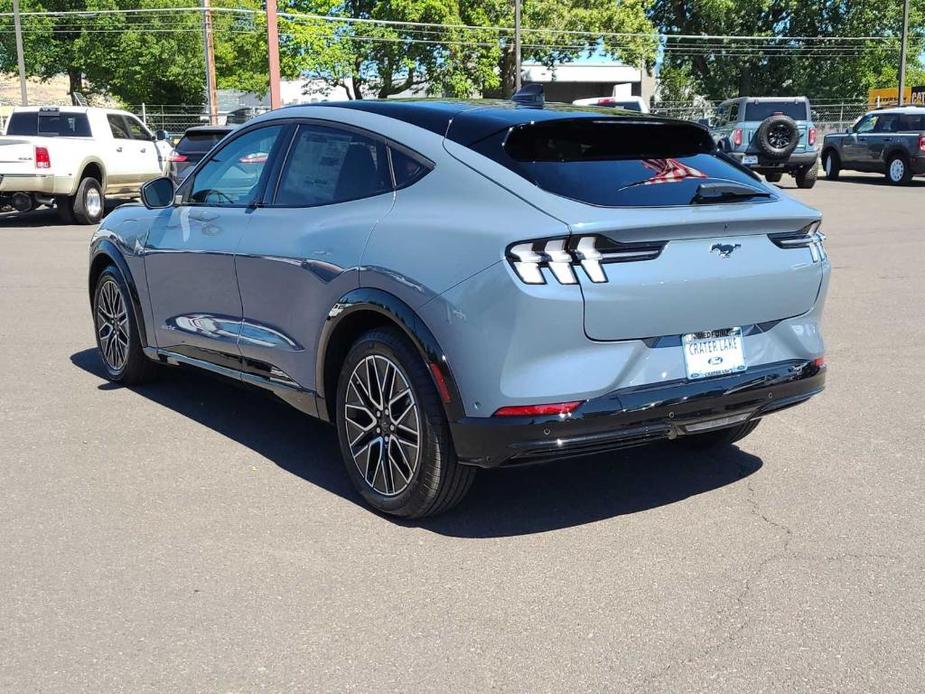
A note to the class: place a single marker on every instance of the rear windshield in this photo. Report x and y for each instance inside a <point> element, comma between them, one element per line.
<point>49,124</point>
<point>199,143</point>
<point>762,110</point>
<point>614,163</point>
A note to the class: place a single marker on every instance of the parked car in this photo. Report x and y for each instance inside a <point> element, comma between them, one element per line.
<point>192,147</point>
<point>73,157</point>
<point>770,135</point>
<point>888,141</point>
<point>460,284</point>
<point>627,103</point>
<point>243,114</point>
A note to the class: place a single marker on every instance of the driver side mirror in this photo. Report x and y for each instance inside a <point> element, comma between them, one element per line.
<point>161,135</point>
<point>158,193</point>
<point>705,122</point>
<point>849,130</point>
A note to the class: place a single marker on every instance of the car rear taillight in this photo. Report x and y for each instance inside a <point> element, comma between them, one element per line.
<point>177,158</point>
<point>812,136</point>
<point>808,237</point>
<point>561,257</point>
<point>559,408</point>
<point>922,143</point>
<point>737,137</point>
<point>42,160</point>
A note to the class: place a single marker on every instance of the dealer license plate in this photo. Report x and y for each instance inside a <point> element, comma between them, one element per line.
<point>713,353</point>
<point>750,159</point>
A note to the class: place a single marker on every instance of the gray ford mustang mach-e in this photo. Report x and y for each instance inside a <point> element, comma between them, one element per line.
<point>465,284</point>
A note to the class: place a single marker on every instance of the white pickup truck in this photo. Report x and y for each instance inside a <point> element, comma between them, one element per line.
<point>73,158</point>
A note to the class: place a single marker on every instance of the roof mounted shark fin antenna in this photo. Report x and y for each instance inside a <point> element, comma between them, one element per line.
<point>529,96</point>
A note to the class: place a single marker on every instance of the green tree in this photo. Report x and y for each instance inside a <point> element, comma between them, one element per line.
<point>831,70</point>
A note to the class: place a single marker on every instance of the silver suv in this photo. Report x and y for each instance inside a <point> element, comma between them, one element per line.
<point>464,285</point>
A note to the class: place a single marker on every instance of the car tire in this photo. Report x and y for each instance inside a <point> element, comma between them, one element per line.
<point>396,443</point>
<point>832,165</point>
<point>777,137</point>
<point>64,206</point>
<point>806,177</point>
<point>898,171</point>
<point>88,203</point>
<point>720,437</point>
<point>773,177</point>
<point>118,339</point>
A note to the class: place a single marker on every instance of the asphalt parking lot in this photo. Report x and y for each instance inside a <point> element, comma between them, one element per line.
<point>191,535</point>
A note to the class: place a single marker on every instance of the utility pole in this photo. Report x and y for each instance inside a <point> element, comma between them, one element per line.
<point>902,53</point>
<point>19,56</point>
<point>208,47</point>
<point>273,50</point>
<point>517,78</point>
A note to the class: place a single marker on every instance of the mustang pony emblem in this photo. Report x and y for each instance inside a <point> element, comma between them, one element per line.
<point>724,250</point>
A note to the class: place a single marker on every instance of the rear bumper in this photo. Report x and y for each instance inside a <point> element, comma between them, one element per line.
<point>797,160</point>
<point>632,416</point>
<point>47,184</point>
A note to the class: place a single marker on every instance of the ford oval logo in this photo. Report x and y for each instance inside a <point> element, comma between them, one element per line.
<point>715,360</point>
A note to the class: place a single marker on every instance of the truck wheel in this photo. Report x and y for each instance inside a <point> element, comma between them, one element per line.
<point>832,165</point>
<point>898,172</point>
<point>88,202</point>
<point>64,205</point>
<point>773,177</point>
<point>393,433</point>
<point>806,177</point>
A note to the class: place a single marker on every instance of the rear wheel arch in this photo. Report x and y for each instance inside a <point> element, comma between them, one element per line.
<point>93,169</point>
<point>362,310</point>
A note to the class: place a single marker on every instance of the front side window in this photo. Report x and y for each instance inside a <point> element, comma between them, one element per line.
<point>328,165</point>
<point>231,176</point>
<point>137,130</point>
<point>118,127</point>
<point>867,124</point>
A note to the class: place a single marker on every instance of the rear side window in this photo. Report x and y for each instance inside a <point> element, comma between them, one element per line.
<point>49,124</point>
<point>199,143</point>
<point>909,123</point>
<point>765,109</point>
<point>328,165</point>
<point>614,163</point>
<point>407,169</point>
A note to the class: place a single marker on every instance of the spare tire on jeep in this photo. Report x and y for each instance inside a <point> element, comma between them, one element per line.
<point>777,136</point>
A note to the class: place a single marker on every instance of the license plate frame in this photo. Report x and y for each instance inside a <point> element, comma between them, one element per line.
<point>750,159</point>
<point>713,353</point>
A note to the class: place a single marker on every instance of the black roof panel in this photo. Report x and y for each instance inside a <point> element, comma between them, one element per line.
<point>468,121</point>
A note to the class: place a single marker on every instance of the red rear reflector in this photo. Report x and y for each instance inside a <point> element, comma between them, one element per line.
<point>737,137</point>
<point>440,382</point>
<point>812,136</point>
<point>529,410</point>
<point>174,157</point>
<point>820,362</point>
<point>922,143</point>
<point>42,160</point>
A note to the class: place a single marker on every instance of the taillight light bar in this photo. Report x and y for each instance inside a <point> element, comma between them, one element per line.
<point>737,137</point>
<point>808,237</point>
<point>559,408</point>
<point>811,137</point>
<point>922,143</point>
<point>177,158</point>
<point>41,158</point>
<point>562,256</point>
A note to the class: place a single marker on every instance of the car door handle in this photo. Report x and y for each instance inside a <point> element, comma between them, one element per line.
<point>119,148</point>
<point>888,139</point>
<point>144,149</point>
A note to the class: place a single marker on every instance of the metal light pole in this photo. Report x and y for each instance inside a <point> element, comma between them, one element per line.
<point>902,53</point>
<point>208,47</point>
<point>517,78</point>
<point>19,56</point>
<point>273,50</point>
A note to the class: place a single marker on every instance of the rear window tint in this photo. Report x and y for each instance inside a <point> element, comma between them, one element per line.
<point>765,109</point>
<point>49,124</point>
<point>199,143</point>
<point>612,163</point>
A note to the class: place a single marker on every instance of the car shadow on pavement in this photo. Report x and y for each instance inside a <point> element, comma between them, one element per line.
<point>505,502</point>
